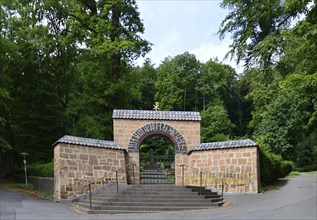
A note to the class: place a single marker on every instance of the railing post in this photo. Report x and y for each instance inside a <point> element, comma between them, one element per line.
<point>222,186</point>
<point>201,182</point>
<point>133,173</point>
<point>182,174</point>
<point>117,182</point>
<point>89,188</point>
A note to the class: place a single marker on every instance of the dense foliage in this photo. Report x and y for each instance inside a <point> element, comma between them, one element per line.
<point>41,170</point>
<point>65,65</point>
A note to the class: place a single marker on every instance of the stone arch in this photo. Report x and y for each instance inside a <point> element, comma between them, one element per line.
<point>157,128</point>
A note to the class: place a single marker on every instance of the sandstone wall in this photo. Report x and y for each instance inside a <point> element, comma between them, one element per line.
<point>237,167</point>
<point>76,165</point>
<point>124,129</point>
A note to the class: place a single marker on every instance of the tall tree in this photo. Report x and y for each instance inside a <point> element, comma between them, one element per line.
<point>109,32</point>
<point>256,28</point>
<point>144,79</point>
<point>215,123</point>
<point>176,82</point>
<point>38,73</point>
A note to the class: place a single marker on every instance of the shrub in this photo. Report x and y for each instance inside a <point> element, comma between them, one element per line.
<point>287,167</point>
<point>41,170</point>
<point>273,167</point>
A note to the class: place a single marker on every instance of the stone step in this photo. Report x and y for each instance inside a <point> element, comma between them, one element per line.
<point>149,208</point>
<point>83,210</point>
<point>154,194</point>
<point>120,211</point>
<point>147,203</point>
<point>153,176</point>
<point>158,198</point>
<point>179,194</point>
<point>201,190</point>
<point>153,190</point>
<point>149,198</point>
<point>150,191</point>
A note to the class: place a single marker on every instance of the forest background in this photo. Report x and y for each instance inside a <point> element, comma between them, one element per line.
<point>65,65</point>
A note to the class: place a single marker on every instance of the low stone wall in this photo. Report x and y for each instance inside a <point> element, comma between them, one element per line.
<point>76,165</point>
<point>41,184</point>
<point>238,168</point>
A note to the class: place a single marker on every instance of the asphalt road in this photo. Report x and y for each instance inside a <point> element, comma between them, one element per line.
<point>295,200</point>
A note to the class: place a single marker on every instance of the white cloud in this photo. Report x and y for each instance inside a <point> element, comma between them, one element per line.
<point>209,50</point>
<point>175,27</point>
<point>212,50</point>
<point>166,47</point>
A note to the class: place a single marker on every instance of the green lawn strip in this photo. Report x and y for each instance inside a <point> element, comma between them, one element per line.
<point>20,187</point>
<point>293,174</point>
<point>311,172</point>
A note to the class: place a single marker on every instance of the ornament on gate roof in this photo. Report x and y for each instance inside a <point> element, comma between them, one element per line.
<point>156,106</point>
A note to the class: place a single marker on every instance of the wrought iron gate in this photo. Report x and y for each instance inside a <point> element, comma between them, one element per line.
<point>157,169</point>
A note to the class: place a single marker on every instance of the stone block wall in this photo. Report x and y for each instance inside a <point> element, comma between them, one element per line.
<point>180,159</point>
<point>76,165</point>
<point>42,184</point>
<point>124,129</point>
<point>238,168</point>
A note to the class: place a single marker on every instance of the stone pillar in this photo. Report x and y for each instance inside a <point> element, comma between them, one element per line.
<point>57,184</point>
<point>134,158</point>
<point>180,158</point>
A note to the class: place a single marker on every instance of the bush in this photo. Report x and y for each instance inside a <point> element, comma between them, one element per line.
<point>307,168</point>
<point>286,168</point>
<point>41,170</point>
<point>273,167</point>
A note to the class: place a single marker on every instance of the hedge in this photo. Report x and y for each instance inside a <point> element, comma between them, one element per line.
<point>273,167</point>
<point>41,170</point>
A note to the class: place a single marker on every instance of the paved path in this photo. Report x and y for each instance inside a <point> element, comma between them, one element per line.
<point>295,200</point>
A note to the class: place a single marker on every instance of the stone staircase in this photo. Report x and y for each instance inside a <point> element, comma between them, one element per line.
<point>148,198</point>
<point>156,176</point>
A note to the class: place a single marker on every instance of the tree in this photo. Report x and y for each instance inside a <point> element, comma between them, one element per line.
<point>176,83</point>
<point>215,81</point>
<point>144,79</point>
<point>157,145</point>
<point>109,32</point>
<point>285,121</point>
<point>215,123</point>
<point>300,46</point>
<point>38,74</point>
<point>257,28</point>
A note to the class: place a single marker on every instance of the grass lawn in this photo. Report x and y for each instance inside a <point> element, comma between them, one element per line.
<point>281,182</point>
<point>20,187</point>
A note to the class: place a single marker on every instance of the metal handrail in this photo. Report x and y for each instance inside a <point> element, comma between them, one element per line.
<point>201,174</point>
<point>206,173</point>
<point>101,178</point>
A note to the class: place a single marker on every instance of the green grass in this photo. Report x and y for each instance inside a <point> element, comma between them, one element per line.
<point>293,174</point>
<point>276,186</point>
<point>296,173</point>
<point>280,183</point>
<point>14,186</point>
<point>311,172</point>
<point>20,187</point>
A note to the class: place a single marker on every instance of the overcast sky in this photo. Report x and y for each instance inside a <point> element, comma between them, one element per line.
<point>175,27</point>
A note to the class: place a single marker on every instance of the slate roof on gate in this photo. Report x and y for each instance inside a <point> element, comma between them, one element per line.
<point>156,115</point>
<point>88,142</point>
<point>224,145</point>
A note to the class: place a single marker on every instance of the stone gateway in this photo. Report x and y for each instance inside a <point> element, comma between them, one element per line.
<point>79,161</point>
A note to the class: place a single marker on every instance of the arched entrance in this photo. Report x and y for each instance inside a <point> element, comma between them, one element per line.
<point>158,166</point>
<point>132,127</point>
<point>157,128</point>
<point>157,160</point>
